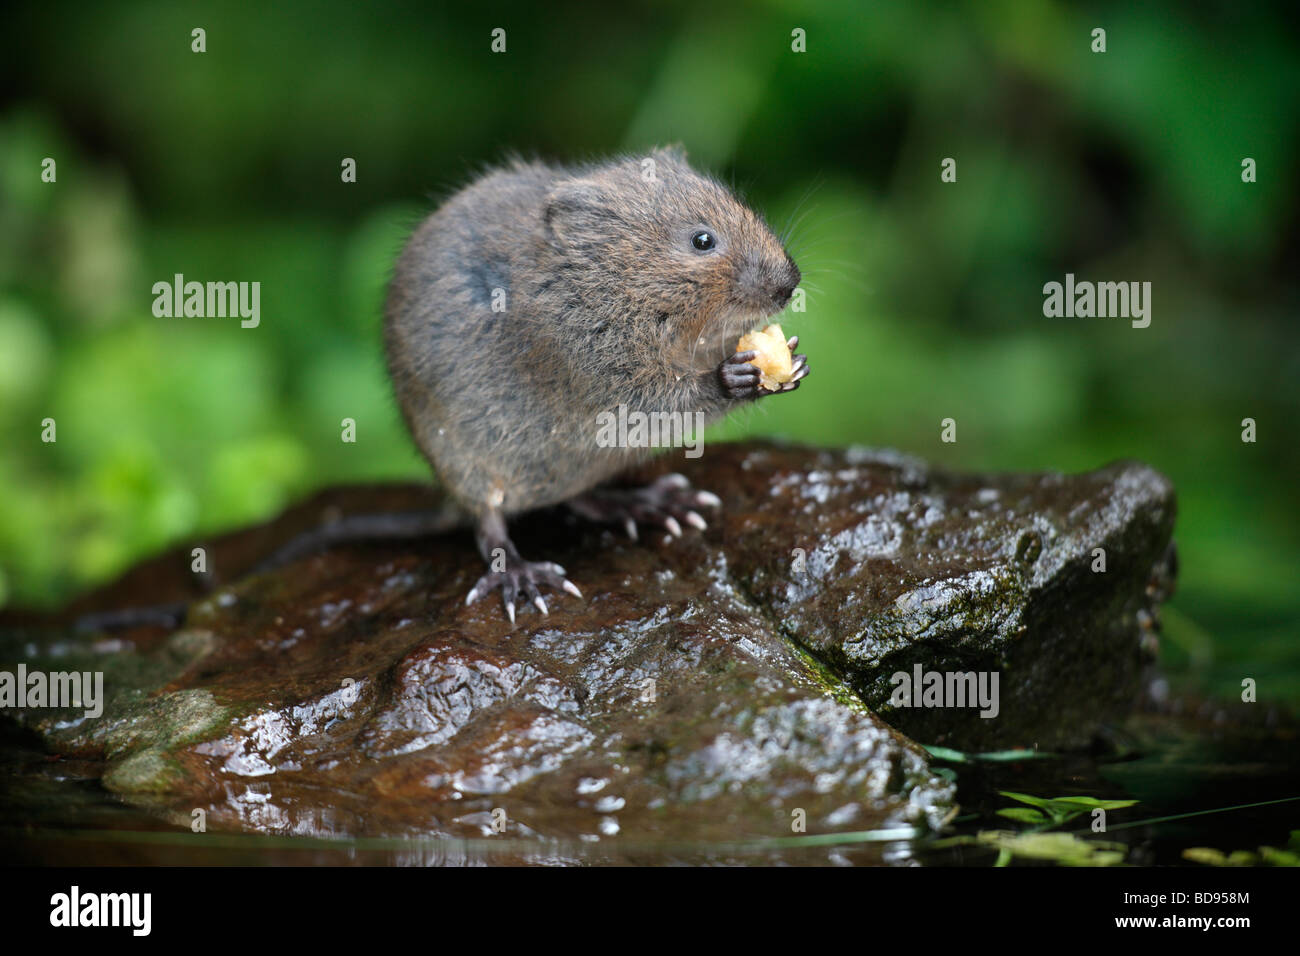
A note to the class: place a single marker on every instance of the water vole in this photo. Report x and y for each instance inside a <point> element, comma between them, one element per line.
<point>541,296</point>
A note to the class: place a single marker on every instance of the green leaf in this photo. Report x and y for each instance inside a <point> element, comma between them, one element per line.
<point>1064,848</point>
<point>1276,857</point>
<point>1039,802</point>
<point>993,756</point>
<point>946,753</point>
<point>1023,815</point>
<point>1204,854</point>
<point>1010,756</point>
<point>1093,803</point>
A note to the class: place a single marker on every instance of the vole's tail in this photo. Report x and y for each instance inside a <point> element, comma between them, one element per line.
<point>391,526</point>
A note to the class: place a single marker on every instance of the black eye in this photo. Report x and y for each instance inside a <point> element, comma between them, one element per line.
<point>703,240</point>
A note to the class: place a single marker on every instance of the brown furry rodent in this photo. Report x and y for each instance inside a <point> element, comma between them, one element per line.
<point>625,282</point>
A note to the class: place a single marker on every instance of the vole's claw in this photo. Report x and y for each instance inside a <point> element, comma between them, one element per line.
<point>792,342</point>
<point>525,578</point>
<point>667,502</point>
<point>534,595</point>
<point>799,371</point>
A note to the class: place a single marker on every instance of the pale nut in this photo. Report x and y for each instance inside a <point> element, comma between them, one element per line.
<point>773,361</point>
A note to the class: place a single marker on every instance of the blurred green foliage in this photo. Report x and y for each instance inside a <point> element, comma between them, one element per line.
<point>925,298</point>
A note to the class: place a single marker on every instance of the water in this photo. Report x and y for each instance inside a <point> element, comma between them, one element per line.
<point>1178,766</point>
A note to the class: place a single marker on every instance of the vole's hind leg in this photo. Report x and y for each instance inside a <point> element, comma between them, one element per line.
<point>667,502</point>
<point>510,572</point>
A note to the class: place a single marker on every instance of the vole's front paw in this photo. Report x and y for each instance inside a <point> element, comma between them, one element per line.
<point>798,368</point>
<point>668,501</point>
<point>522,576</point>
<point>739,379</point>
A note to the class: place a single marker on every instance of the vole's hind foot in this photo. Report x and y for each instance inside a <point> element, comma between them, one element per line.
<point>516,575</point>
<point>526,577</point>
<point>668,502</point>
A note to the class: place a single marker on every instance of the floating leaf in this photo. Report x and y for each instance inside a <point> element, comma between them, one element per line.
<point>1064,848</point>
<point>1275,857</point>
<point>1269,855</point>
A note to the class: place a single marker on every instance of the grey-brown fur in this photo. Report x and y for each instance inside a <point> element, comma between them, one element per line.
<point>606,303</point>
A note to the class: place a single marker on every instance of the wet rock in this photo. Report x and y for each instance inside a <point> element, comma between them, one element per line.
<point>707,689</point>
<point>881,566</point>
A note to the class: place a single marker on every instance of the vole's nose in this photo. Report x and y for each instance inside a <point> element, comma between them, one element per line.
<point>786,281</point>
<point>768,283</point>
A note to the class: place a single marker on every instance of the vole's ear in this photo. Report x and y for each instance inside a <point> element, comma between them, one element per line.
<point>574,213</point>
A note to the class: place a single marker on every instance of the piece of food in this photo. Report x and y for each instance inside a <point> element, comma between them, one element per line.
<point>773,360</point>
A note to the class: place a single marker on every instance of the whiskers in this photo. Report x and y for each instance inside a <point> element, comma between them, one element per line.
<point>804,247</point>
<point>716,339</point>
<point>799,213</point>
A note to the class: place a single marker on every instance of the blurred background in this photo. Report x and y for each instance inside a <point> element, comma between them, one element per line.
<point>924,298</point>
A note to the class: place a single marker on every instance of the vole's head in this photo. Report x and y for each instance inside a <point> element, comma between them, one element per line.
<point>651,238</point>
